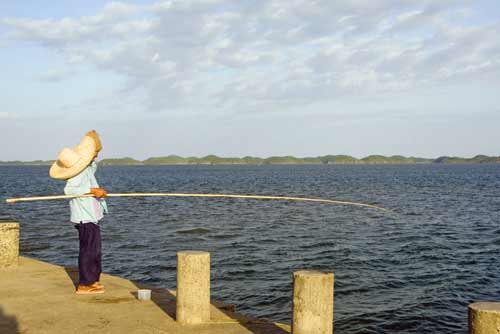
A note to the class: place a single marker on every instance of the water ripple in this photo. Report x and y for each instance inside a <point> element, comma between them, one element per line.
<point>414,271</point>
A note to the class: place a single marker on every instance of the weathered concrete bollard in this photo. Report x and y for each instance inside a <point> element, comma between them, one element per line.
<point>193,287</point>
<point>484,318</point>
<point>9,244</point>
<point>312,302</point>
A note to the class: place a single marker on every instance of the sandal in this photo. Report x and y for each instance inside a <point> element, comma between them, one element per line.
<point>97,285</point>
<point>88,290</point>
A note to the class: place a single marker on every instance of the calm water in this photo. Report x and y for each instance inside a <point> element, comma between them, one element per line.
<point>412,272</point>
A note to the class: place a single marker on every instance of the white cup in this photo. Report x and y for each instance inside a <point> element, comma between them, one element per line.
<point>144,294</point>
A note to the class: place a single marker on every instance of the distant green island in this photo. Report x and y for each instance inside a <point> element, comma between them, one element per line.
<point>26,163</point>
<point>275,160</point>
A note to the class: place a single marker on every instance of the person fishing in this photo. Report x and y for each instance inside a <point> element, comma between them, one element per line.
<point>77,166</point>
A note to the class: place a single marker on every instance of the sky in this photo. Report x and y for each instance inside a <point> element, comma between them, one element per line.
<point>250,77</point>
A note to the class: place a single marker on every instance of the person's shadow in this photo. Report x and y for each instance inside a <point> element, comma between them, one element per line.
<point>8,323</point>
<point>73,275</point>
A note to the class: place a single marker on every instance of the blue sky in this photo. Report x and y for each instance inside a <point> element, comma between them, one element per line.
<point>236,78</point>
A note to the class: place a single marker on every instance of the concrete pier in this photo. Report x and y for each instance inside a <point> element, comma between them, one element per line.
<point>193,287</point>
<point>37,297</point>
<point>312,302</point>
<point>484,318</point>
<point>9,245</point>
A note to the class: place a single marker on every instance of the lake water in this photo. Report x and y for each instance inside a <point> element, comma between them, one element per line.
<point>414,271</point>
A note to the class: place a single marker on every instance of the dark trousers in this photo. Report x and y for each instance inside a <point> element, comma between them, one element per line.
<point>89,257</point>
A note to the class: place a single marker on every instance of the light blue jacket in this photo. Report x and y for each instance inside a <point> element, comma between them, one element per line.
<point>86,209</point>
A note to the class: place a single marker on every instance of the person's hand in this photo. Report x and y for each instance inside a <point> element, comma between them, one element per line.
<point>98,192</point>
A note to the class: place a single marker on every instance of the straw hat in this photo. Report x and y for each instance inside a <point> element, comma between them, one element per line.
<point>72,161</point>
<point>97,139</point>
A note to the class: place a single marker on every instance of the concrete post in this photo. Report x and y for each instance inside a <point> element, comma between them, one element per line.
<point>193,287</point>
<point>484,318</point>
<point>9,244</point>
<point>312,302</point>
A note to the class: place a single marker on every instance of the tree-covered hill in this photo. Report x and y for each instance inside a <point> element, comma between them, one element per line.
<point>275,160</point>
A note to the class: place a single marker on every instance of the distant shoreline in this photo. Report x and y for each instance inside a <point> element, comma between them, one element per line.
<point>275,160</point>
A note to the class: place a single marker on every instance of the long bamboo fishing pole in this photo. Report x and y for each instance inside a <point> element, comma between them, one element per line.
<point>304,199</point>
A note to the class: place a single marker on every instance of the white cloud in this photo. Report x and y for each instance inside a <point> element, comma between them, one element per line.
<point>54,75</point>
<point>212,53</point>
<point>7,115</point>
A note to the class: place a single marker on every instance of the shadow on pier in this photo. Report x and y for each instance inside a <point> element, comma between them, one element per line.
<point>72,274</point>
<point>8,323</point>
<point>166,301</point>
<point>163,298</point>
